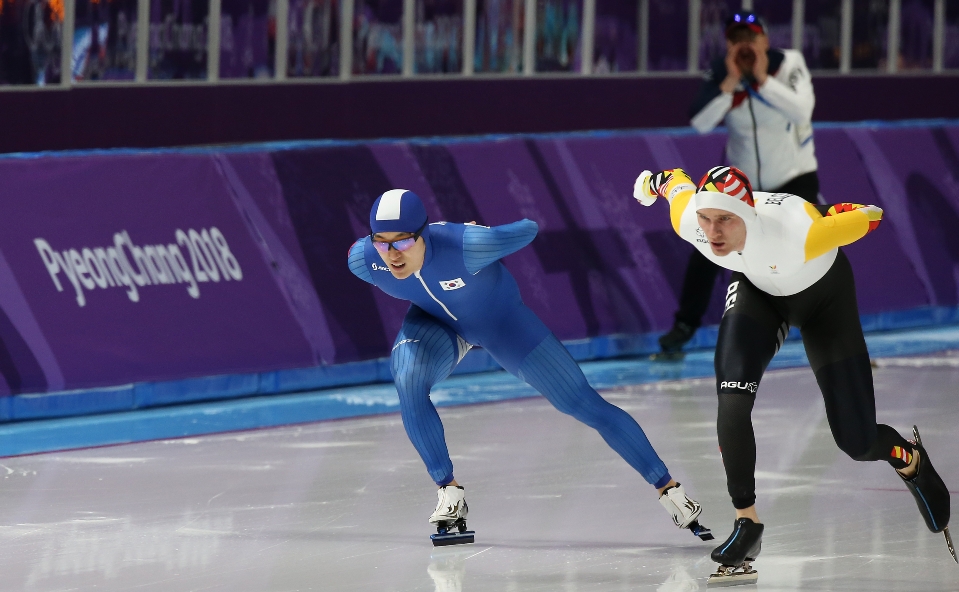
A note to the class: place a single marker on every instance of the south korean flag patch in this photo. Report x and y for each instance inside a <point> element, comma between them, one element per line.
<point>454,284</point>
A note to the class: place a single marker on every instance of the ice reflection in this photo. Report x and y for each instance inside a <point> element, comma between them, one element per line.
<point>102,546</point>
<point>447,567</point>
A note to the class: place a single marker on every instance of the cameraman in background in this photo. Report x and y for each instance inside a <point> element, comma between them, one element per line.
<point>766,99</point>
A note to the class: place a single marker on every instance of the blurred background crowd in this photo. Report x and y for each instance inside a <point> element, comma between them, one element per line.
<point>104,37</point>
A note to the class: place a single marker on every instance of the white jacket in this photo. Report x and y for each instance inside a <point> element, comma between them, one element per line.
<point>777,116</point>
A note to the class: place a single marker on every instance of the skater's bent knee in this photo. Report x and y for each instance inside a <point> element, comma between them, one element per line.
<point>574,407</point>
<point>589,408</point>
<point>406,386</point>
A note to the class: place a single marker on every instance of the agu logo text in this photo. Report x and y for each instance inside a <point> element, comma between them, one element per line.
<point>751,387</point>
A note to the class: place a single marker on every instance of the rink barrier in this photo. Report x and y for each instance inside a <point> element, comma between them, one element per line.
<point>287,316</point>
<point>211,388</point>
<point>219,417</point>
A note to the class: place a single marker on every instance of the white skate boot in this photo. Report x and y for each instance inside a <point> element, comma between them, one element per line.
<point>684,511</point>
<point>449,517</point>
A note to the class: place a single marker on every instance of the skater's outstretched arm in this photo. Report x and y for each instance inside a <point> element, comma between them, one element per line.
<point>841,225</point>
<point>483,245</point>
<point>357,260</point>
<point>673,184</point>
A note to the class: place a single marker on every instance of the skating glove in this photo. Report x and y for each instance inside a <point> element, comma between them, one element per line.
<point>642,189</point>
<point>873,213</point>
<point>842,224</point>
<point>666,184</point>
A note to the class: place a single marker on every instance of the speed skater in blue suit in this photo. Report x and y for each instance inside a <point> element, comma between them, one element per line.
<point>461,295</point>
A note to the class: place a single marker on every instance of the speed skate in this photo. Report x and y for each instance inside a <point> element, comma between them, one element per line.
<point>449,517</point>
<point>736,555</point>
<point>684,511</point>
<point>739,575</point>
<point>701,531</point>
<point>455,534</point>
<point>949,545</point>
<point>931,494</point>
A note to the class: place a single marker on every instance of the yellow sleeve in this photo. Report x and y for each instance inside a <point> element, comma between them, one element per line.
<point>845,224</point>
<point>679,189</point>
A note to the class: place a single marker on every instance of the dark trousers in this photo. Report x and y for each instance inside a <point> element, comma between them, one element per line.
<point>701,272</point>
<point>752,330</point>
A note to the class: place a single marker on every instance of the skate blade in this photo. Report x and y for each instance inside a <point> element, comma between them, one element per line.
<point>741,578</point>
<point>701,531</point>
<point>668,356</point>
<point>452,538</point>
<point>952,549</point>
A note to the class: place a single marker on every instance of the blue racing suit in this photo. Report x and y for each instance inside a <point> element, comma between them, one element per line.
<point>464,296</point>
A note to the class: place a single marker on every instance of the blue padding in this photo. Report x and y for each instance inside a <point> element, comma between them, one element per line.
<point>234,386</point>
<point>154,394</point>
<point>268,411</point>
<point>178,421</point>
<point>79,402</point>
<point>301,379</point>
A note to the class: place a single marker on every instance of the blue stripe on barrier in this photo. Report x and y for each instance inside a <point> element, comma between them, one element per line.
<point>79,402</point>
<point>172,421</point>
<point>233,386</point>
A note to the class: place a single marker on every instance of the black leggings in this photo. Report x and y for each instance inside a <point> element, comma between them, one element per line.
<point>753,329</point>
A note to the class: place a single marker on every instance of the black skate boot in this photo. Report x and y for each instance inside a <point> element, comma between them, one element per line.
<point>932,495</point>
<point>671,344</point>
<point>736,555</point>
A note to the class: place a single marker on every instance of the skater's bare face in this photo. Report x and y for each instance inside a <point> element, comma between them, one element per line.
<point>725,231</point>
<point>402,264</point>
